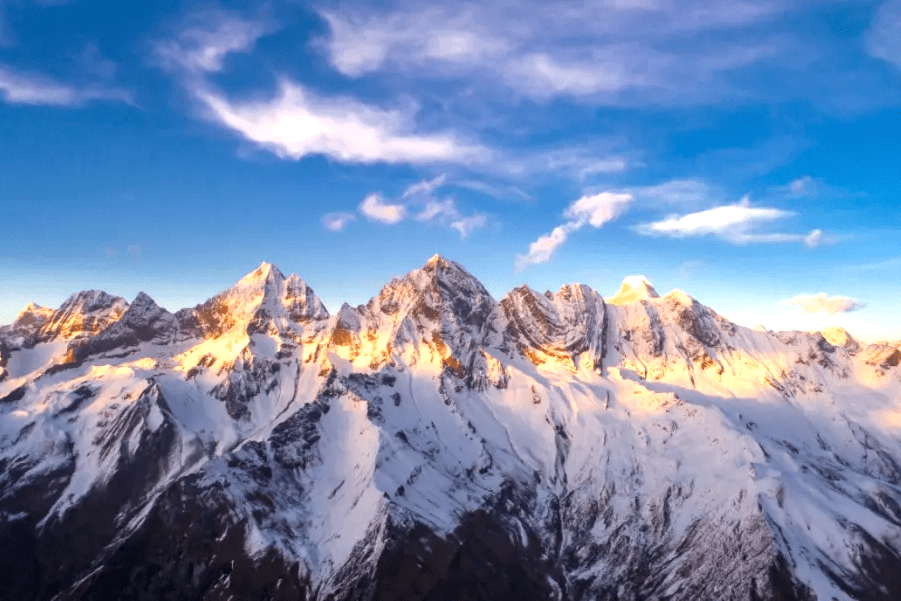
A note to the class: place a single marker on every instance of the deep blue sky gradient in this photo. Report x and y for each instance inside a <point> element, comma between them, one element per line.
<point>140,187</point>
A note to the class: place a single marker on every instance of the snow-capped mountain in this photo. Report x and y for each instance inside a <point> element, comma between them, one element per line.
<point>438,444</point>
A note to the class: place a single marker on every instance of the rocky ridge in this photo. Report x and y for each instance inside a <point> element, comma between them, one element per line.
<point>437,444</point>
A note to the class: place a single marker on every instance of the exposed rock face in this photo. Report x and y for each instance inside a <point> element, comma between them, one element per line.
<point>83,315</point>
<point>558,326</point>
<point>435,444</point>
<point>31,320</point>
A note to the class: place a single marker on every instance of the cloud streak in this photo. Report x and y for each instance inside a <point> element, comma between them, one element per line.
<point>40,90</point>
<point>607,51</point>
<point>202,48</point>
<point>595,210</point>
<point>822,303</point>
<point>735,223</point>
<point>296,122</point>
<point>884,36</point>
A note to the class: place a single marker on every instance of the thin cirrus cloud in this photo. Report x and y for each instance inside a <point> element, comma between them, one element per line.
<point>823,303</point>
<point>735,223</point>
<point>595,210</point>
<point>296,122</point>
<point>40,90</point>
<point>884,36</point>
<point>203,48</point>
<point>607,51</point>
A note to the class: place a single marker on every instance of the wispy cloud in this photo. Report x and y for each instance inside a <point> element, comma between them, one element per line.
<point>579,162</point>
<point>595,210</point>
<point>735,223</point>
<point>425,187</point>
<point>542,249</point>
<point>35,89</point>
<point>808,186</point>
<point>203,47</point>
<point>823,303</point>
<point>336,222</point>
<point>375,208</point>
<point>884,36</point>
<point>892,263</point>
<point>296,122</point>
<point>689,192</point>
<point>608,51</point>
<point>419,201</point>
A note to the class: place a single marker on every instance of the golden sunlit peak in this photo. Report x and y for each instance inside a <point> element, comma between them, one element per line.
<point>437,260</point>
<point>634,287</point>
<point>262,273</point>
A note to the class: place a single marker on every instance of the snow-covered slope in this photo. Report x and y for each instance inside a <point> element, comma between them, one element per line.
<point>438,444</point>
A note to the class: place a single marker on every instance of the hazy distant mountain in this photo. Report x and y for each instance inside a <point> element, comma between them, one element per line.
<point>438,444</point>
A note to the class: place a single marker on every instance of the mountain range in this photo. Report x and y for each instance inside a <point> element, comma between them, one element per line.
<point>438,444</point>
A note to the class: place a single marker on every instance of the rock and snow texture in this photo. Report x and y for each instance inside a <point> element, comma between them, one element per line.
<point>438,444</point>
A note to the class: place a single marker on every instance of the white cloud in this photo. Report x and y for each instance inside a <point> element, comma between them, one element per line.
<point>420,201</point>
<point>373,207</point>
<point>884,36</point>
<point>34,89</point>
<point>445,211</point>
<point>822,303</point>
<point>599,50</point>
<point>425,187</point>
<point>734,223</point>
<point>540,74</point>
<point>729,221</point>
<point>598,209</point>
<point>802,186</point>
<point>438,208</point>
<point>814,239</point>
<point>363,43</point>
<point>336,222</point>
<point>682,192</point>
<point>594,210</point>
<point>465,225</point>
<point>297,123</point>
<point>202,48</point>
<point>544,247</point>
<point>499,192</point>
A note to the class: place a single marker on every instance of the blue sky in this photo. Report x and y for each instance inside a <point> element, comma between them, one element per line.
<point>744,151</point>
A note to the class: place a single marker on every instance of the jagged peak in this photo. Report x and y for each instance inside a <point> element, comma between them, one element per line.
<point>32,310</point>
<point>84,313</point>
<point>634,287</point>
<point>441,267</point>
<point>576,291</point>
<point>31,318</point>
<point>143,300</point>
<point>265,273</point>
<point>437,273</point>
<point>91,300</point>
